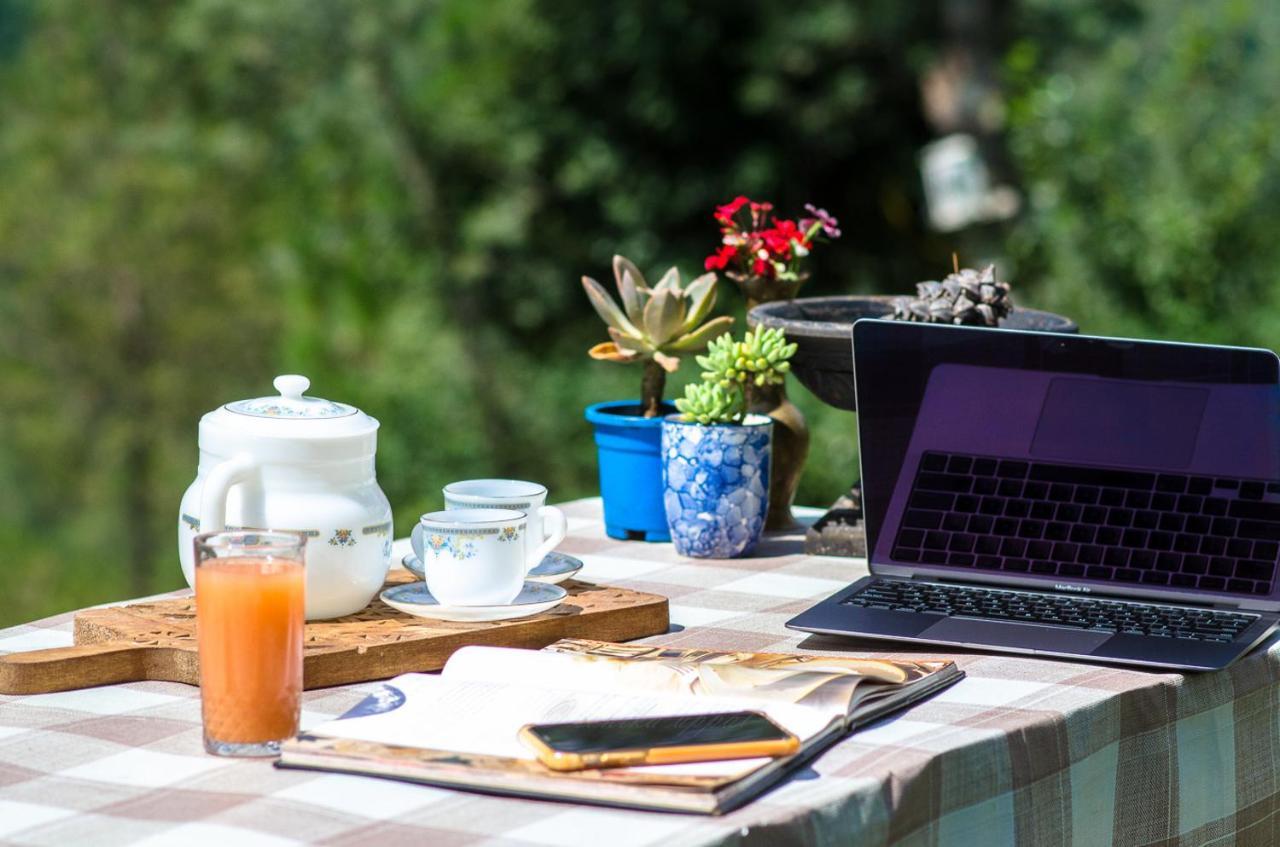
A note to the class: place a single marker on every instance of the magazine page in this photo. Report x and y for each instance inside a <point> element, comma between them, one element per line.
<point>483,718</point>
<point>835,683</point>
<point>831,684</point>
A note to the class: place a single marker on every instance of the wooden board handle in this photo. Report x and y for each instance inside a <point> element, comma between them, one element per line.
<point>65,668</point>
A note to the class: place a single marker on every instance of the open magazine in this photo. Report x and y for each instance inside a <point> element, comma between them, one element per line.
<point>459,729</point>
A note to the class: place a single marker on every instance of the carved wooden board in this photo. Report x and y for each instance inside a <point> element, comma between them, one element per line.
<point>157,640</point>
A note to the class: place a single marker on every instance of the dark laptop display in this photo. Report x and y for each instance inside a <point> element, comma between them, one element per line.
<point>1072,460</point>
<point>1065,495</point>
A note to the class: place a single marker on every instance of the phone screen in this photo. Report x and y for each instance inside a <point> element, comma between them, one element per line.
<point>647,733</point>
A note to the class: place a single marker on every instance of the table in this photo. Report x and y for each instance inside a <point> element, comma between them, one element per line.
<point>1023,750</point>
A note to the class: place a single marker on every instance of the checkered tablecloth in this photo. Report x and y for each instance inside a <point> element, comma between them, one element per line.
<point>1022,751</point>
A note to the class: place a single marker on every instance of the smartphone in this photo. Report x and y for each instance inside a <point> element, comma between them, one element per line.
<point>657,741</point>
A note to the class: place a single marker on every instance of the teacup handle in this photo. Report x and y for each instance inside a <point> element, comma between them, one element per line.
<point>415,541</point>
<point>553,517</point>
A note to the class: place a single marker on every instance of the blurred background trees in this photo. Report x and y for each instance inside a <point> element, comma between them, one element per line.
<point>1150,156</point>
<point>397,199</point>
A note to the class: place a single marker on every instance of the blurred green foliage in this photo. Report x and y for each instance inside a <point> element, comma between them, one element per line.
<point>397,199</point>
<point>1148,148</point>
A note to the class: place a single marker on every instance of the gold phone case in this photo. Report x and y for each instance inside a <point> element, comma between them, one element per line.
<point>560,760</point>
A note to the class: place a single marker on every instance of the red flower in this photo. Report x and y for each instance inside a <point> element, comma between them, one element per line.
<point>755,243</point>
<point>719,260</point>
<point>724,214</point>
<point>778,240</point>
<point>776,243</point>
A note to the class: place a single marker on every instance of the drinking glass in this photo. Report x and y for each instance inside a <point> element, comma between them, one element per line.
<point>249,619</point>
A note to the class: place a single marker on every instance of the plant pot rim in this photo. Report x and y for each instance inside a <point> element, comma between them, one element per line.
<point>751,421</point>
<point>605,413</point>
<point>785,315</point>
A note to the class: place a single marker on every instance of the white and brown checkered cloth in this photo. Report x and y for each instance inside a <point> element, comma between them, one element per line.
<point>1022,751</point>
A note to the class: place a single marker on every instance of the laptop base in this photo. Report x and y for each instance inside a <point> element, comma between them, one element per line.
<point>834,617</point>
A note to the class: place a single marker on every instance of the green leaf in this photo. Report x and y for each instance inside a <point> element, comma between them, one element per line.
<point>631,343</point>
<point>662,316</point>
<point>622,265</point>
<point>632,299</point>
<point>699,338</point>
<point>606,308</point>
<point>701,294</point>
<point>670,280</point>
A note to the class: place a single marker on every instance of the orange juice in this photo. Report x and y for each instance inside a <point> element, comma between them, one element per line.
<point>249,620</point>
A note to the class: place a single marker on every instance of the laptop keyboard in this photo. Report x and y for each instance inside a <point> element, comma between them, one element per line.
<point>1111,616</point>
<point>1181,531</point>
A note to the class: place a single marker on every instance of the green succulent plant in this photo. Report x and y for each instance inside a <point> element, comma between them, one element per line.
<point>712,403</point>
<point>761,358</point>
<point>654,325</point>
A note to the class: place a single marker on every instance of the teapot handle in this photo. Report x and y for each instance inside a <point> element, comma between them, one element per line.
<point>213,500</point>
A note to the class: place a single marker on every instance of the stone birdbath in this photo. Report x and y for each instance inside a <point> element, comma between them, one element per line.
<point>822,329</point>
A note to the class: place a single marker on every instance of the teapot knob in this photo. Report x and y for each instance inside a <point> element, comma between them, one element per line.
<point>291,385</point>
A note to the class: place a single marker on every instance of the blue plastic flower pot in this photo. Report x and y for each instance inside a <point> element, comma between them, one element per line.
<point>716,485</point>
<point>629,448</point>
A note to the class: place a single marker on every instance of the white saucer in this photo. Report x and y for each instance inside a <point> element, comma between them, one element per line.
<point>554,567</point>
<point>414,599</point>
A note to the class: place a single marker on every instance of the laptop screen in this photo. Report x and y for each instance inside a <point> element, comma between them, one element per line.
<point>1092,464</point>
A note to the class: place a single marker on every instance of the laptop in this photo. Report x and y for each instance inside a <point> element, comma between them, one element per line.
<point>1061,495</point>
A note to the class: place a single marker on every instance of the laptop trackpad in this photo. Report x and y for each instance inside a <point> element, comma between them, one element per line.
<point>1000,634</point>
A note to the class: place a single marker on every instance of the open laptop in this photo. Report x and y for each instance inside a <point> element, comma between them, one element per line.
<point>1100,498</point>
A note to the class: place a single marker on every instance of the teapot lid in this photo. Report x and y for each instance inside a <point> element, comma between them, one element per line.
<point>289,426</point>
<point>290,402</point>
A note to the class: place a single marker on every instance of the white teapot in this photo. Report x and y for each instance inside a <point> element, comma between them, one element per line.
<point>303,464</point>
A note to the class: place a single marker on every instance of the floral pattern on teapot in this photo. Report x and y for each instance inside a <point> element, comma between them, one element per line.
<point>268,407</point>
<point>342,538</point>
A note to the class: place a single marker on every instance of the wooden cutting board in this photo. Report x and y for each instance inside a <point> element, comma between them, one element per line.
<point>158,640</point>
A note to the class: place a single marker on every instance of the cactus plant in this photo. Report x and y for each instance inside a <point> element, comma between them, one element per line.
<point>654,325</point>
<point>966,296</point>
<point>729,368</point>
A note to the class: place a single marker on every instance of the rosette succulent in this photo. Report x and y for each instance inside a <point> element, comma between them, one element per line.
<point>761,358</point>
<point>654,325</point>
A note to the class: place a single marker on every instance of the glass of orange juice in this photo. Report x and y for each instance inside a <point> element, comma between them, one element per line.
<point>249,621</point>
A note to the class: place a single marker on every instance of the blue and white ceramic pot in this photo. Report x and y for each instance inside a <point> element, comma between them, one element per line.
<point>716,485</point>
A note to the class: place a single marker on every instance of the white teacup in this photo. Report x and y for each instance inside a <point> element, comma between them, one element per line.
<point>472,557</point>
<point>547,524</point>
